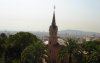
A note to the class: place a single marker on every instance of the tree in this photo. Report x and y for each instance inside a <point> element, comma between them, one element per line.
<point>3,38</point>
<point>93,51</point>
<point>70,48</point>
<point>33,53</point>
<point>17,43</point>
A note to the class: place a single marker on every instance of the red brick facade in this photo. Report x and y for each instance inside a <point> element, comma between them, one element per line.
<point>53,49</point>
<point>53,46</point>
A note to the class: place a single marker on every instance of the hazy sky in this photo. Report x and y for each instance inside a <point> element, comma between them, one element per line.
<point>36,15</point>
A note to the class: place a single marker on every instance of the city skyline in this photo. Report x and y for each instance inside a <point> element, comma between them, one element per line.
<point>36,15</point>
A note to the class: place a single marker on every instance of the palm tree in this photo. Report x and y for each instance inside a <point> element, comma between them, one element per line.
<point>70,48</point>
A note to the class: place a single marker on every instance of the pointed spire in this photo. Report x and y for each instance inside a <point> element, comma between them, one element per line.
<point>53,20</point>
<point>54,7</point>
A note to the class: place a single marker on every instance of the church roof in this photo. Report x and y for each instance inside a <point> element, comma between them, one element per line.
<point>60,42</point>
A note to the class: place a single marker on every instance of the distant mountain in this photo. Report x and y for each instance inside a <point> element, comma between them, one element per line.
<point>78,32</point>
<point>63,33</point>
<point>67,33</point>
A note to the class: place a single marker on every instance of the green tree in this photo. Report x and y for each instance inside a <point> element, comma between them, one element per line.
<point>3,38</point>
<point>33,53</point>
<point>69,49</point>
<point>93,51</point>
<point>16,44</point>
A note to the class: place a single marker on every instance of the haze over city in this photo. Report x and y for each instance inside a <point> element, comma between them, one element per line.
<point>36,15</point>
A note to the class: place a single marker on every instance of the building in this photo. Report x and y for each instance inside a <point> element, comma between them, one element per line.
<point>53,58</point>
<point>54,43</point>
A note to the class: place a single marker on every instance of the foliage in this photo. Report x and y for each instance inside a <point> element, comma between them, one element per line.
<point>70,49</point>
<point>33,53</point>
<point>93,51</point>
<point>25,47</point>
<point>3,38</point>
<point>87,52</point>
<point>13,45</point>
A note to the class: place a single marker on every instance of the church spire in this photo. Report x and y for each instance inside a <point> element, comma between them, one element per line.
<point>53,20</point>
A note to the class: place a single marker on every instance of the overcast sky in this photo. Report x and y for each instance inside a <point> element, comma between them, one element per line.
<point>36,15</point>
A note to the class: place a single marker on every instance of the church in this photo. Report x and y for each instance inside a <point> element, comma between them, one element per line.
<point>54,43</point>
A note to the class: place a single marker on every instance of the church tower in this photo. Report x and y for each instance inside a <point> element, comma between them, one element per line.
<point>52,46</point>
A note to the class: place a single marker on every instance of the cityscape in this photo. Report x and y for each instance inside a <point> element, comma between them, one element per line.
<point>49,31</point>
